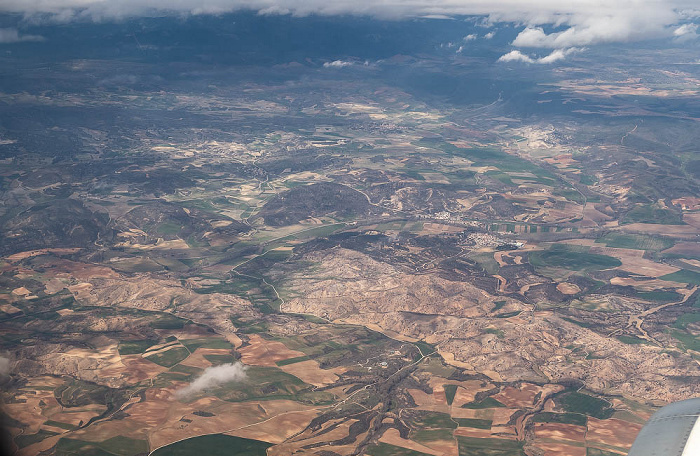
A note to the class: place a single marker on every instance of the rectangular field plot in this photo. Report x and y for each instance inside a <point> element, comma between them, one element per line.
<point>215,445</point>
<point>471,446</point>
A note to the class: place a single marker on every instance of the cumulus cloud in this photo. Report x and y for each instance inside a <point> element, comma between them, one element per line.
<point>12,35</point>
<point>554,56</point>
<point>686,32</point>
<point>490,35</point>
<point>213,377</point>
<point>531,11</point>
<point>593,30</point>
<point>516,56</point>
<point>550,24</point>
<point>337,64</point>
<point>470,37</point>
<point>557,54</point>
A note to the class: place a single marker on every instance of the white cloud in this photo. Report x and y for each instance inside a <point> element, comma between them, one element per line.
<point>557,54</point>
<point>516,56</point>
<point>685,29</point>
<point>11,35</point>
<point>530,11</point>
<point>273,10</point>
<point>337,64</point>
<point>490,35</point>
<point>576,22</point>
<point>554,56</point>
<point>686,32</point>
<point>437,16</point>
<point>213,377</point>
<point>470,37</point>
<point>590,31</point>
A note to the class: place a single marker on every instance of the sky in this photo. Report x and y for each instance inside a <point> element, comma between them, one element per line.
<point>552,29</point>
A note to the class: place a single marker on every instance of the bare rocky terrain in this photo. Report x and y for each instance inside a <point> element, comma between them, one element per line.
<point>517,342</point>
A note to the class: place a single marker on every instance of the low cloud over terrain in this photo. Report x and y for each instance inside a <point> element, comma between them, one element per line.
<point>213,377</point>
<point>12,35</point>
<point>554,56</point>
<point>548,24</point>
<point>337,64</point>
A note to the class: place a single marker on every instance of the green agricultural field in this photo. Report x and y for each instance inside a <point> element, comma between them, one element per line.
<point>501,177</point>
<point>636,241</point>
<point>170,357</point>
<point>597,452</point>
<point>626,415</point>
<point>631,340</point>
<point>172,264</point>
<point>298,359</point>
<point>58,424</point>
<point>575,402</point>
<point>660,296</point>
<point>250,328</point>
<point>485,261</point>
<point>168,228</point>
<point>433,420</point>
<point>686,319</point>
<point>688,341</point>
<point>474,423</point>
<point>167,321</point>
<point>116,446</point>
<point>327,348</point>
<point>336,346</point>
<point>576,322</point>
<point>470,446</point>
<point>425,347</point>
<point>249,286</point>
<point>220,359</point>
<point>215,445</point>
<point>135,265</point>
<point>431,435</point>
<point>487,403</point>
<point>315,398</point>
<point>193,344</point>
<point>508,314</point>
<point>575,261</point>
<point>696,302</point>
<point>135,347</point>
<point>450,391</point>
<point>436,367</point>
<point>391,226</point>
<point>400,225</point>
<point>586,179</point>
<point>683,276</point>
<point>498,305</point>
<point>238,285</point>
<point>570,194</point>
<point>652,214</point>
<point>565,418</point>
<point>78,393</point>
<point>264,383</point>
<point>497,332</point>
<point>24,440</point>
<point>385,449</point>
<point>188,370</point>
<point>412,174</point>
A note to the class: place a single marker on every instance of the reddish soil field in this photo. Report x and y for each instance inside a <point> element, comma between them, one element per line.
<point>612,432</point>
